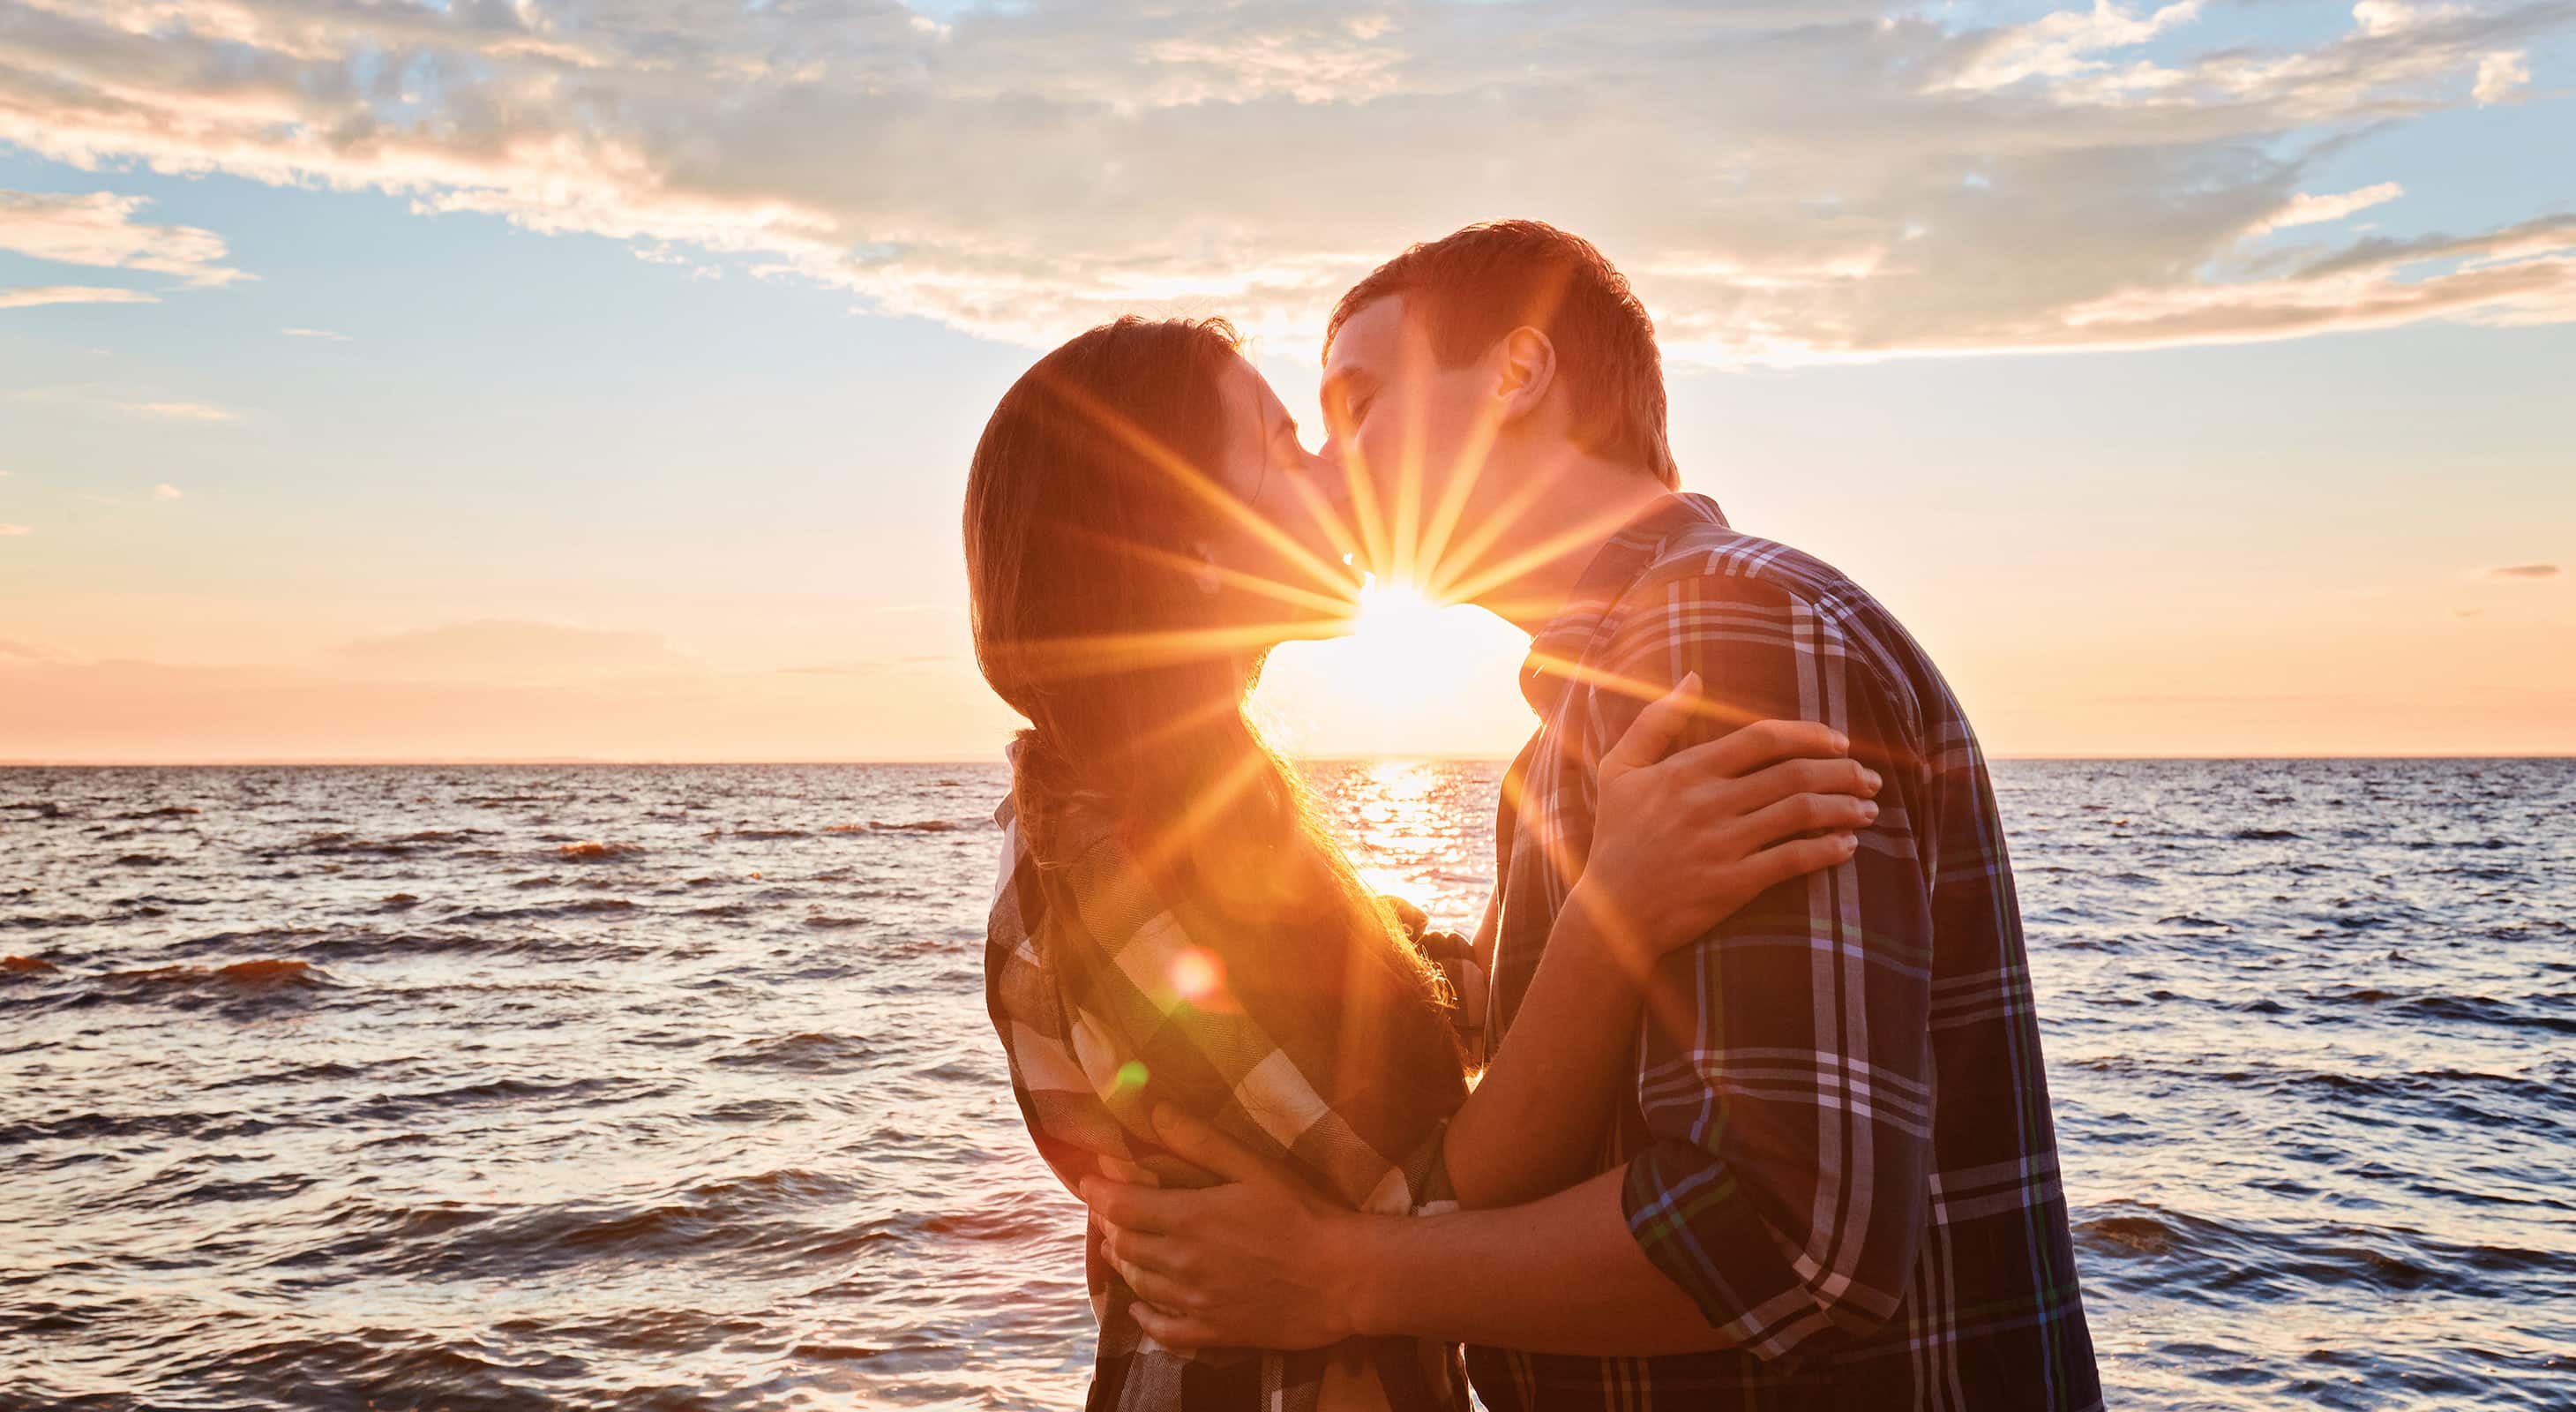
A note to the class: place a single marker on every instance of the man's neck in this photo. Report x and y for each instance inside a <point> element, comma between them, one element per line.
<point>1556,536</point>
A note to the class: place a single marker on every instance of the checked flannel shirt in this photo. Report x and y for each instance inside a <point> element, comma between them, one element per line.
<point>1110,998</point>
<point>1841,1145</point>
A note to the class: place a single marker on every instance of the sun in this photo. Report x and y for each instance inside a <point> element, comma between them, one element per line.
<point>1413,676</point>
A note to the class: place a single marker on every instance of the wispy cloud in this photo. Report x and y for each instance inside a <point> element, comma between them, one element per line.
<point>100,229</point>
<point>1828,179</point>
<point>185,411</point>
<point>29,296</point>
<point>2304,209</point>
<point>2524,571</point>
<point>315,333</point>
<point>165,491</point>
<point>15,530</point>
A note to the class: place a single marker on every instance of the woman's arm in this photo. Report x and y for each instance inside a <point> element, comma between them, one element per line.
<point>1682,842</point>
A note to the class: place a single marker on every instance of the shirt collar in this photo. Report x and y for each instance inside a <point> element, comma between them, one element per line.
<point>1615,568</point>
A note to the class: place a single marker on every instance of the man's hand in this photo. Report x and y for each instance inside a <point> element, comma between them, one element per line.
<point>1256,1263</point>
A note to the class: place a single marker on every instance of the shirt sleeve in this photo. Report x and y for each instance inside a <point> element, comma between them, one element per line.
<point>1785,1071</point>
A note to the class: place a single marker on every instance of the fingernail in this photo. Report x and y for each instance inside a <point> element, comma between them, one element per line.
<point>1868,811</point>
<point>1851,842</point>
<point>1842,742</point>
<point>1871,776</point>
<point>1162,1117</point>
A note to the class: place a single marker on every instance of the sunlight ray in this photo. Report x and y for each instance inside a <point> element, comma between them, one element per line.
<point>1428,561</point>
<point>1338,606</point>
<point>1590,529</point>
<point>1072,658</point>
<point>1199,484</point>
<point>1158,851</point>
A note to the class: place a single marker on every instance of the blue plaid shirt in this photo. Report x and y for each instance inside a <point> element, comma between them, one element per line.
<point>1840,1146</point>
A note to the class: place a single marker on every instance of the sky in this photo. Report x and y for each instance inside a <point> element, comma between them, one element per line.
<point>595,379</point>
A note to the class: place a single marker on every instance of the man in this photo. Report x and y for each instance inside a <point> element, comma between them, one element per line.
<point>1837,1185</point>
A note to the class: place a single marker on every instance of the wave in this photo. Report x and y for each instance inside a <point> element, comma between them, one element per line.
<point>805,1052</point>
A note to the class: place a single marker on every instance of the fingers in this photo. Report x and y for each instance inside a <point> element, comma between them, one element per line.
<point>1126,1248</point>
<point>1155,1287</point>
<point>1777,782</point>
<point>1804,814</point>
<point>1138,1208</point>
<point>1656,727</point>
<point>1797,858</point>
<point>1749,748</point>
<point>1195,1142</point>
<point>1175,1330</point>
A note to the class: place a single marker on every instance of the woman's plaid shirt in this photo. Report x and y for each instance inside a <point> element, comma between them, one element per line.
<point>1841,1145</point>
<point>1109,998</point>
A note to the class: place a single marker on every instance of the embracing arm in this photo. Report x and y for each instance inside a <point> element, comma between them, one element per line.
<point>1683,838</point>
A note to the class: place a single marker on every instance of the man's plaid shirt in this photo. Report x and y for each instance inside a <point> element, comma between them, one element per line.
<point>1841,1146</point>
<point>1109,998</point>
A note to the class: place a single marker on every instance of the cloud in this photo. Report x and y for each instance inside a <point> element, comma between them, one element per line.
<point>2307,210</point>
<point>15,530</point>
<point>1786,181</point>
<point>186,411</point>
<point>99,229</point>
<point>29,296</point>
<point>165,491</point>
<point>2524,571</point>
<point>2502,77</point>
<point>315,333</point>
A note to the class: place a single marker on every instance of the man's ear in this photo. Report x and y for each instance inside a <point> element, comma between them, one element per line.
<point>1528,370</point>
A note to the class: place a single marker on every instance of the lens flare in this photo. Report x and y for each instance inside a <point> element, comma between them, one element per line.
<point>1199,977</point>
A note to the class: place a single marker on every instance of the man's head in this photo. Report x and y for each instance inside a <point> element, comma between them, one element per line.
<point>1467,365</point>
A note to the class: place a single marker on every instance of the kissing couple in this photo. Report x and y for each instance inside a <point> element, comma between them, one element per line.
<point>1734,1099</point>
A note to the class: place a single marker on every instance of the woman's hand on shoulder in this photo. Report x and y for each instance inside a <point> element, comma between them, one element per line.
<point>1684,838</point>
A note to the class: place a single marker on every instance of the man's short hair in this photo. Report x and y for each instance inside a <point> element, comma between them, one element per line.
<point>1470,289</point>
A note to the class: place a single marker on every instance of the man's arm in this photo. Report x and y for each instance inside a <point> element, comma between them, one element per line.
<point>1788,1082</point>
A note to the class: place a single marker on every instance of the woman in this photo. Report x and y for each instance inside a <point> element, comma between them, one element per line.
<point>1173,926</point>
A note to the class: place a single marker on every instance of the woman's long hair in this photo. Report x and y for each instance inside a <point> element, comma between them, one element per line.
<point>1091,491</point>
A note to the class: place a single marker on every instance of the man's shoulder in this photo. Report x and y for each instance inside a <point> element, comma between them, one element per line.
<point>1703,567</point>
<point>1704,561</point>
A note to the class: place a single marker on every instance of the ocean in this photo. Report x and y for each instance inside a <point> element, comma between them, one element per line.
<point>671,1087</point>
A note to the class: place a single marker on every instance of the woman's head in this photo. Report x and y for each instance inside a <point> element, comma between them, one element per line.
<point>1141,526</point>
<point>1140,507</point>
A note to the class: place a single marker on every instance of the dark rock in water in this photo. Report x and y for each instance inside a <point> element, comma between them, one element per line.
<point>19,965</point>
<point>916,826</point>
<point>2264,835</point>
<point>2127,1235</point>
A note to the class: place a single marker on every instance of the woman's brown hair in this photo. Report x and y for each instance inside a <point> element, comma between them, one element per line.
<point>1091,491</point>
